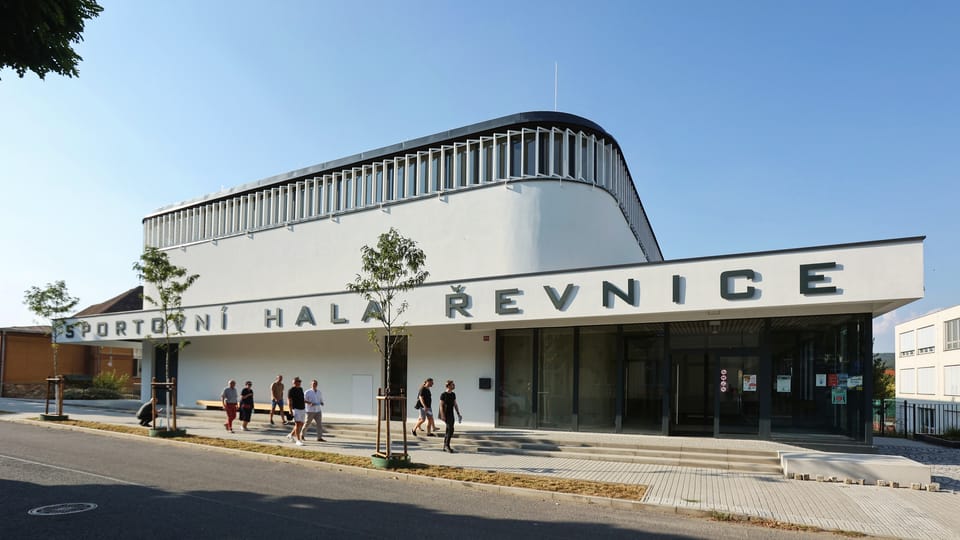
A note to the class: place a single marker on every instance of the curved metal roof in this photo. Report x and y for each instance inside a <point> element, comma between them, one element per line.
<point>480,128</point>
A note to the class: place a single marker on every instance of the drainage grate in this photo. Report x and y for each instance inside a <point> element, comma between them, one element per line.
<point>61,509</point>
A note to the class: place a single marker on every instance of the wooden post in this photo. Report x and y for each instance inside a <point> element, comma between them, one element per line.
<point>388,413</point>
<point>153,402</point>
<point>171,392</point>
<point>59,396</point>
<point>379,416</point>
<point>46,408</point>
<point>173,411</point>
<point>403,419</point>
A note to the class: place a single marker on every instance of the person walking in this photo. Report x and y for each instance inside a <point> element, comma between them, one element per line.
<point>424,403</point>
<point>276,399</point>
<point>314,401</point>
<point>448,405</point>
<point>230,400</point>
<point>246,405</point>
<point>296,402</point>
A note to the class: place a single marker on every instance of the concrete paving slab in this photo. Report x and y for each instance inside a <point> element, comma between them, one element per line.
<point>869,467</point>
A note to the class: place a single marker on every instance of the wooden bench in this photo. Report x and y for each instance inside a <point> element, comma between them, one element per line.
<point>216,405</point>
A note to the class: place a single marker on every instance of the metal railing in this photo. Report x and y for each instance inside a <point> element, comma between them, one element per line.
<point>907,418</point>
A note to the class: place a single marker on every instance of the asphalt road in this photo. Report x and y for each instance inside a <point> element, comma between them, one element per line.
<point>146,488</point>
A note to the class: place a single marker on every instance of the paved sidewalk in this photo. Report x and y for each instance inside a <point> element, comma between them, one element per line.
<point>867,509</point>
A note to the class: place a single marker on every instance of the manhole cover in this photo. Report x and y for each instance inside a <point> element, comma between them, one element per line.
<point>61,509</point>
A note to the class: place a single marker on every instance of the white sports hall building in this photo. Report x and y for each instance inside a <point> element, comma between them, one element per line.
<point>549,300</point>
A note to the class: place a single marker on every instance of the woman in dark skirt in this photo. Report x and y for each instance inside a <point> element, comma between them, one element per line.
<point>246,405</point>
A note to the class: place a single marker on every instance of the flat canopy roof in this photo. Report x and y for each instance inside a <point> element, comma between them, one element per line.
<point>864,277</point>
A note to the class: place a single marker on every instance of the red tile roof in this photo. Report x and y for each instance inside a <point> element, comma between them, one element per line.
<point>131,300</point>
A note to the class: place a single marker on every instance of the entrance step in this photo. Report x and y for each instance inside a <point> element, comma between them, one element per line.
<point>768,464</point>
<point>726,459</point>
<point>679,452</point>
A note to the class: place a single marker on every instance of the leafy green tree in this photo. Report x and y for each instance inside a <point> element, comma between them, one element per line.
<point>170,282</point>
<point>393,267</point>
<point>37,35</point>
<point>884,384</point>
<point>52,303</point>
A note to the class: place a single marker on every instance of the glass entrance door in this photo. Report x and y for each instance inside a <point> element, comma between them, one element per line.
<point>737,392</point>
<point>693,392</point>
<point>642,396</point>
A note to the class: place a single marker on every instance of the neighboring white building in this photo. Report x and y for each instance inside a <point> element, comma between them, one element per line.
<point>549,301</point>
<point>928,357</point>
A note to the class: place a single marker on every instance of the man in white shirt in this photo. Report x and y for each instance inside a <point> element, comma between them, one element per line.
<point>314,399</point>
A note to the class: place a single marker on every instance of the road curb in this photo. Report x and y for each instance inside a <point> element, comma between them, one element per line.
<point>400,475</point>
<point>394,474</point>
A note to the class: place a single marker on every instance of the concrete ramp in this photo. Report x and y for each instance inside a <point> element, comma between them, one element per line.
<point>869,467</point>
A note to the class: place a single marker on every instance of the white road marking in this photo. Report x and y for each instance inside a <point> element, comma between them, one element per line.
<point>57,467</point>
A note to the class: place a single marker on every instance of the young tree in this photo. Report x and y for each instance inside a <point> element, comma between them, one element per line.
<point>52,303</point>
<point>884,386</point>
<point>393,267</point>
<point>36,35</point>
<point>170,282</point>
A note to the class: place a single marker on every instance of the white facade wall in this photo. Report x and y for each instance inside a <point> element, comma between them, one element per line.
<point>342,362</point>
<point>502,229</point>
<point>254,344</point>
<point>928,369</point>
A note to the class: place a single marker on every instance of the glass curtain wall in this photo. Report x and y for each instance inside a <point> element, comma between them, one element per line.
<point>797,375</point>
<point>643,346</point>
<point>555,377</point>
<point>516,388</point>
<point>817,375</point>
<point>598,378</point>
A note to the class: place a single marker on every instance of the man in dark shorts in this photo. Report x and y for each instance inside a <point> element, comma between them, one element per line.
<point>298,404</point>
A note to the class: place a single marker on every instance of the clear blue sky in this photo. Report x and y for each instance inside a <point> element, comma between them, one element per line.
<point>747,125</point>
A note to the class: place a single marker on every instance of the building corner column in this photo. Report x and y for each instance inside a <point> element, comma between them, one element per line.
<point>765,383</point>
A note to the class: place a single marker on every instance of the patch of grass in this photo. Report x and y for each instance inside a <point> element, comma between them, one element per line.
<point>540,483</point>
<point>774,524</point>
<point>952,434</point>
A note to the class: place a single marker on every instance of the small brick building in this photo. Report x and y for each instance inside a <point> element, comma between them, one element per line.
<point>26,357</point>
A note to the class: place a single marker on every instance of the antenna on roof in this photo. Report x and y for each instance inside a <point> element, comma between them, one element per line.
<point>555,73</point>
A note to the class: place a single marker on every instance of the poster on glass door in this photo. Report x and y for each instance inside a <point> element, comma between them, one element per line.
<point>750,383</point>
<point>783,383</point>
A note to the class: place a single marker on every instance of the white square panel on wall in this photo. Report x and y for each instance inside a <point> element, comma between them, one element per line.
<point>927,380</point>
<point>908,381</point>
